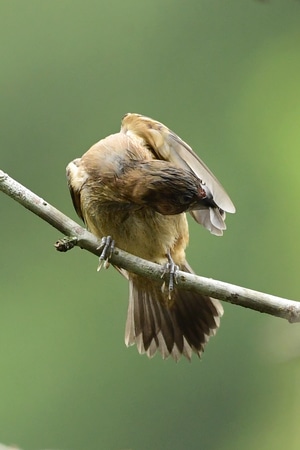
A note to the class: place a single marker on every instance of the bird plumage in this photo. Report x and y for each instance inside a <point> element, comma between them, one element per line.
<point>136,186</point>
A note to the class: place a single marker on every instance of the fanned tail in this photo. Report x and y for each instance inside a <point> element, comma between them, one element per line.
<point>175,329</point>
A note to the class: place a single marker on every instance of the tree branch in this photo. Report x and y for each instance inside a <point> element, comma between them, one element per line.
<point>258,301</point>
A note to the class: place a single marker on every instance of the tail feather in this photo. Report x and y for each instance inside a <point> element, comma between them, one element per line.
<point>179,329</point>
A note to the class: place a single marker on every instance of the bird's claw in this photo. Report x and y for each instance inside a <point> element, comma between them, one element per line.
<point>107,247</point>
<point>171,270</point>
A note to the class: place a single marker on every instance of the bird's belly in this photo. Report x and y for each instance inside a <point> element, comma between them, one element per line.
<point>143,232</point>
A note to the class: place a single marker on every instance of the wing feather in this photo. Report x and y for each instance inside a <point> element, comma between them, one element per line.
<point>170,147</point>
<point>75,184</point>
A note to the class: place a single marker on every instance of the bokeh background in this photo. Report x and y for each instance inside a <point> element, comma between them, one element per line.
<point>225,76</point>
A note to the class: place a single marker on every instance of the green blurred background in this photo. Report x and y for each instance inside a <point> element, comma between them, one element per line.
<point>225,76</point>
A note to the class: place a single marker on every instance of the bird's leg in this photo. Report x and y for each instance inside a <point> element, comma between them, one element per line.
<point>107,247</point>
<point>170,269</point>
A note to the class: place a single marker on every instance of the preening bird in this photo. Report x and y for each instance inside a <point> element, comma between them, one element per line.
<point>136,186</point>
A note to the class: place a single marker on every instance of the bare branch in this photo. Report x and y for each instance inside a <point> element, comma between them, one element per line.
<point>258,301</point>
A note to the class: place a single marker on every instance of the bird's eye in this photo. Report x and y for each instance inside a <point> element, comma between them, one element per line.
<point>185,199</point>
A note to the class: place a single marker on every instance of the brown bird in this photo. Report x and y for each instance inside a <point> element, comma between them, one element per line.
<point>136,186</point>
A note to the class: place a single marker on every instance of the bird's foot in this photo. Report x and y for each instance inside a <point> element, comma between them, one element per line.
<point>107,247</point>
<point>170,270</point>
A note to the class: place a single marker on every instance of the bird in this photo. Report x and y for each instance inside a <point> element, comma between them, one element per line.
<point>136,187</point>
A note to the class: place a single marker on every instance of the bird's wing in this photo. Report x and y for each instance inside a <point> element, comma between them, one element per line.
<point>168,146</point>
<point>75,181</point>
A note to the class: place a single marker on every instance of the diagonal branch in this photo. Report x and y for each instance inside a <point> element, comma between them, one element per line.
<point>269,304</point>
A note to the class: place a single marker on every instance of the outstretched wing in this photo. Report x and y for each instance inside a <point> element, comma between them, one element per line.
<point>166,145</point>
<point>170,147</point>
